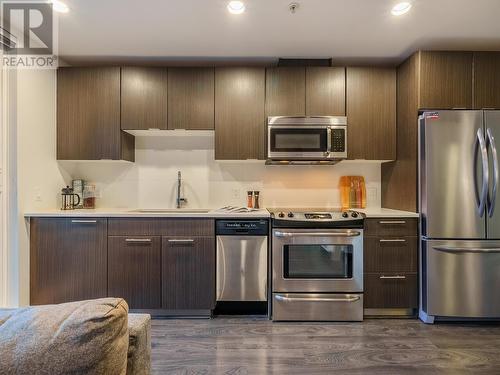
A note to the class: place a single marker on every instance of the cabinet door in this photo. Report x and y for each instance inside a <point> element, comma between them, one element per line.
<point>325,91</point>
<point>239,113</point>
<point>144,98</point>
<point>68,260</point>
<point>191,98</point>
<point>286,91</point>
<point>88,115</point>
<point>188,273</point>
<point>371,113</point>
<point>445,80</point>
<point>390,291</point>
<point>486,80</point>
<point>134,270</point>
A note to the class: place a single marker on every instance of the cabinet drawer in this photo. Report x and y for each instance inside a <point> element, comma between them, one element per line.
<point>391,227</point>
<point>390,290</point>
<point>390,254</point>
<point>161,227</point>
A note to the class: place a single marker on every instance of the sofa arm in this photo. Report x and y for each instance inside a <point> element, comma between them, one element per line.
<point>139,348</point>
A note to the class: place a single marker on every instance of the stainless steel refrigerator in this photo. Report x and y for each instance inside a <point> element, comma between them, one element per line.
<point>460,215</point>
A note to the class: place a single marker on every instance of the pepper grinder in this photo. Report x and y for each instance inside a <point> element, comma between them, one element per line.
<point>250,199</point>
<point>256,201</point>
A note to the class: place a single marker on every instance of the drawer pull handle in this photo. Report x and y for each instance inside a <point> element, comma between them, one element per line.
<point>397,277</point>
<point>392,240</point>
<point>145,240</point>
<point>390,222</point>
<point>84,221</point>
<point>181,241</point>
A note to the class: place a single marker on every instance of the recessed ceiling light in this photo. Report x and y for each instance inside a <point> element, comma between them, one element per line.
<point>400,8</point>
<point>59,6</point>
<point>236,7</point>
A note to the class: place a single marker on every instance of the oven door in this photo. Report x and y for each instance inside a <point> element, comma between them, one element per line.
<point>317,261</point>
<point>298,142</point>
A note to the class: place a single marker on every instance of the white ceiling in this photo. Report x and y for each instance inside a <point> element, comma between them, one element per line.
<point>203,30</point>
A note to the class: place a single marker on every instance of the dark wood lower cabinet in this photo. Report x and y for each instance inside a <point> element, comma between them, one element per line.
<point>68,260</point>
<point>188,273</point>
<point>134,270</point>
<point>391,291</point>
<point>390,254</point>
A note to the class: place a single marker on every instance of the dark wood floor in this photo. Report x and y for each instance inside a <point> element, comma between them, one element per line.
<point>257,346</point>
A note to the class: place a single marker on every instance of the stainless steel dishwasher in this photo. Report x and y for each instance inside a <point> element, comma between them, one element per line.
<point>242,260</point>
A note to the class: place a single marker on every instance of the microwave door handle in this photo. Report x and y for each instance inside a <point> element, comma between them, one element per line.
<point>329,140</point>
<point>494,155</point>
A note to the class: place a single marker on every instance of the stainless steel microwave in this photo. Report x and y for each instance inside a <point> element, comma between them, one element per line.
<point>306,140</point>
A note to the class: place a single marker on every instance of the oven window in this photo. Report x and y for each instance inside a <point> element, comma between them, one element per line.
<point>317,261</point>
<point>299,140</point>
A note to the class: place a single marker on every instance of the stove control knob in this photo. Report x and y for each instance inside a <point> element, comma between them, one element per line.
<point>281,214</point>
<point>290,214</point>
<point>354,214</point>
<point>345,215</point>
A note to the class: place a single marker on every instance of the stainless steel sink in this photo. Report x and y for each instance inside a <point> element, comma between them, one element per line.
<point>172,210</point>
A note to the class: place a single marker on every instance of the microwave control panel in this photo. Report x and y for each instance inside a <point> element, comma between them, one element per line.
<point>338,140</point>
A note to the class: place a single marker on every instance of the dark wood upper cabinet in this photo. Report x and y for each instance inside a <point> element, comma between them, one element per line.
<point>445,80</point>
<point>487,80</point>
<point>191,98</point>
<point>286,91</point>
<point>239,113</point>
<point>188,273</point>
<point>144,98</point>
<point>134,270</point>
<point>68,259</point>
<point>325,91</point>
<point>88,115</point>
<point>371,113</point>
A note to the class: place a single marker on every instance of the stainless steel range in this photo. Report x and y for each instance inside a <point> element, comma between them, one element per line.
<point>317,265</point>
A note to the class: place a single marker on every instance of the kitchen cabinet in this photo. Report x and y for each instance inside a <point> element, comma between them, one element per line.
<point>371,113</point>
<point>426,80</point>
<point>144,98</point>
<point>88,115</point>
<point>191,98</point>
<point>390,266</point>
<point>240,114</point>
<point>134,270</point>
<point>487,80</point>
<point>68,259</point>
<point>188,273</point>
<point>286,91</point>
<point>325,91</point>
<point>445,80</point>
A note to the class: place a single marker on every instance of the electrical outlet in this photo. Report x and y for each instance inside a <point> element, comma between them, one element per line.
<point>235,193</point>
<point>38,195</point>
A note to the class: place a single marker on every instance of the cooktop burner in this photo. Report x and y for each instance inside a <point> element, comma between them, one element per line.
<point>320,218</point>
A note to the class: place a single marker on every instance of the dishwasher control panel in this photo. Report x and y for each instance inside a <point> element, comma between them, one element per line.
<point>259,227</point>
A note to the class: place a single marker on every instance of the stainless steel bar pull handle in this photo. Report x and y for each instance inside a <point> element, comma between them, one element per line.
<point>494,155</point>
<point>397,277</point>
<point>481,198</point>
<point>84,221</point>
<point>316,299</point>
<point>317,234</point>
<point>143,240</point>
<point>392,240</point>
<point>449,249</point>
<point>392,222</point>
<point>181,240</point>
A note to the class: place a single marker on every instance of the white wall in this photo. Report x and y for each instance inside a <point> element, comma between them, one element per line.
<point>151,181</point>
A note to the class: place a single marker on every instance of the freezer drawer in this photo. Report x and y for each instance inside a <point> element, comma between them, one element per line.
<point>317,307</point>
<point>241,268</point>
<point>463,278</point>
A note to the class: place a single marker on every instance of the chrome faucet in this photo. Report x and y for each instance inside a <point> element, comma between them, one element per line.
<point>180,200</point>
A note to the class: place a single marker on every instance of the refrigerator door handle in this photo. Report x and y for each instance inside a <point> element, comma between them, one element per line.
<point>482,198</point>
<point>492,199</point>
<point>449,249</point>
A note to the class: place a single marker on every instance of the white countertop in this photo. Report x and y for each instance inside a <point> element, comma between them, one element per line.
<point>127,212</point>
<point>213,213</point>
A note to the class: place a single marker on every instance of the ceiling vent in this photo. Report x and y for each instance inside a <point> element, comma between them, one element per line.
<point>304,62</point>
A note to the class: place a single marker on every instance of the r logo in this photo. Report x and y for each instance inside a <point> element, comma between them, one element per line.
<point>32,23</point>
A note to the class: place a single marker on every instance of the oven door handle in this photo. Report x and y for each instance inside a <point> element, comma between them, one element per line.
<point>316,299</point>
<point>348,233</point>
